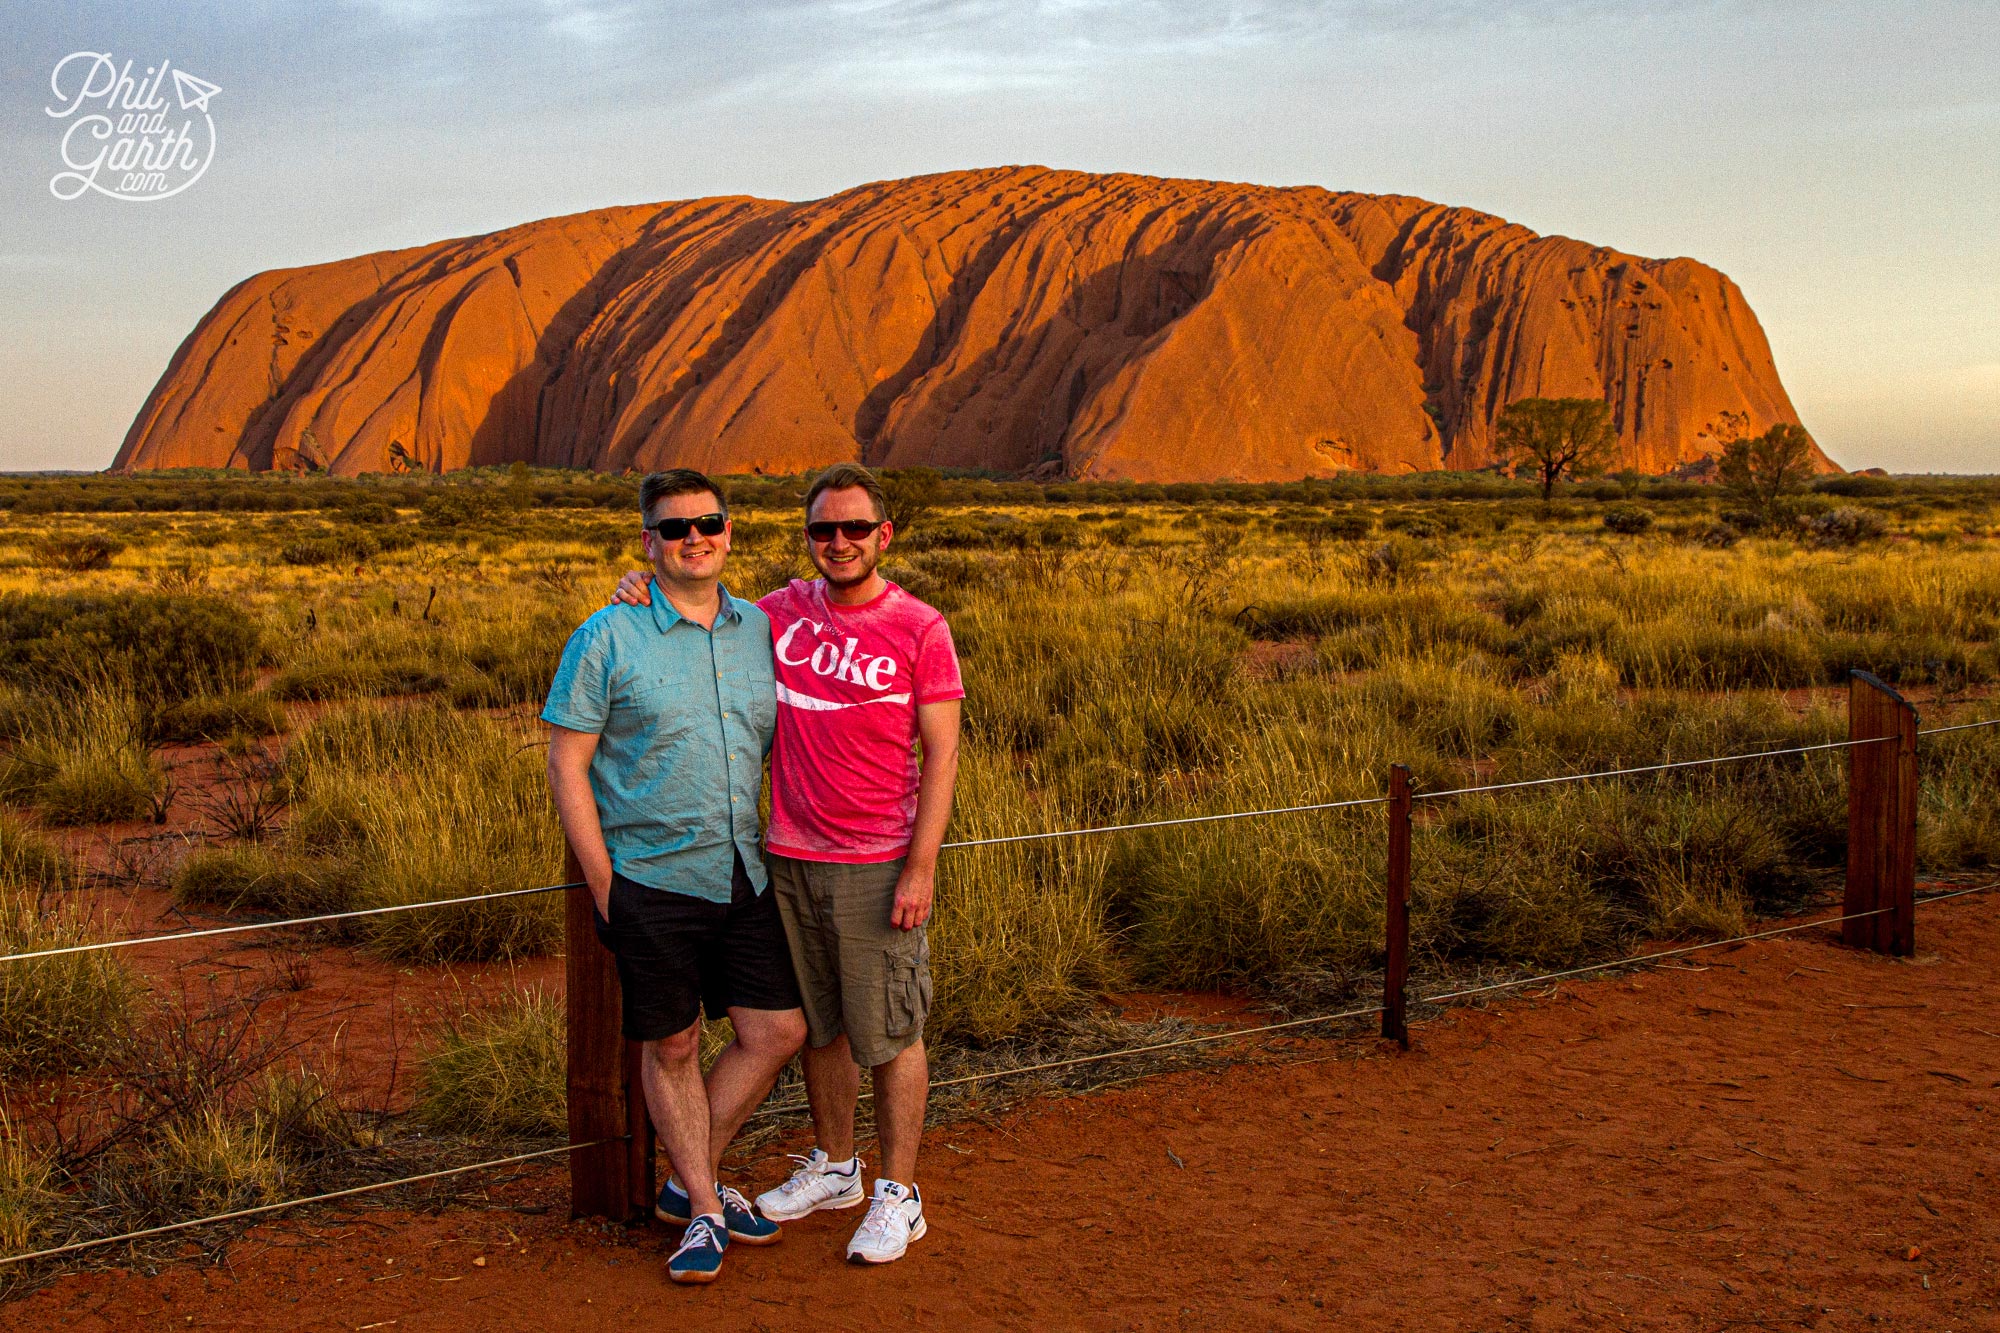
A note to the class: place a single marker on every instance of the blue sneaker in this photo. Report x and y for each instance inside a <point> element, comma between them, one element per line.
<point>742,1221</point>
<point>699,1259</point>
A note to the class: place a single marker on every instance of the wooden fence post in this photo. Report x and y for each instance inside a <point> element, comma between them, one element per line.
<point>1396,972</point>
<point>1881,818</point>
<point>614,1179</point>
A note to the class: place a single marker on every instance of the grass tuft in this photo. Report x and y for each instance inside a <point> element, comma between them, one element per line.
<point>499,1068</point>
<point>62,1014</point>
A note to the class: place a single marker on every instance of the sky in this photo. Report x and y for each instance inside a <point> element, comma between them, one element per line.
<point>1840,160</point>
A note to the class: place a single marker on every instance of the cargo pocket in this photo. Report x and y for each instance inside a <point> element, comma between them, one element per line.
<point>907,976</point>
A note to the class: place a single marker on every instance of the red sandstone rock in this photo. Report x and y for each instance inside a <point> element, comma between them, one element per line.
<point>1015,319</point>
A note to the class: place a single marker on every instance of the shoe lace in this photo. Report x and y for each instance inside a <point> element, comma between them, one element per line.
<point>881,1217</point>
<point>809,1170</point>
<point>700,1232</point>
<point>733,1198</point>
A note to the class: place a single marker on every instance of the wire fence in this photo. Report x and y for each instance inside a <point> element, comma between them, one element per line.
<point>1234,1034</point>
<point>1012,1071</point>
<point>266,1209</point>
<point>967,844</point>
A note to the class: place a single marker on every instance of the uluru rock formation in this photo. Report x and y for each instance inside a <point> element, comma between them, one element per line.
<point>1017,319</point>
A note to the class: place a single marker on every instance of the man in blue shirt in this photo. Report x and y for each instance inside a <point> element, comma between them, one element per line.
<point>660,718</point>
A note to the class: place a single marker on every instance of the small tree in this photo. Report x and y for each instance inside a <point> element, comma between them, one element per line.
<point>1555,437</point>
<point>914,494</point>
<point>1765,470</point>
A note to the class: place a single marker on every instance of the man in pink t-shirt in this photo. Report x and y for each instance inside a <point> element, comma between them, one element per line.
<point>866,674</point>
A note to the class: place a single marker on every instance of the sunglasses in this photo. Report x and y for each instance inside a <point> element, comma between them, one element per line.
<point>854,529</point>
<point>677,529</point>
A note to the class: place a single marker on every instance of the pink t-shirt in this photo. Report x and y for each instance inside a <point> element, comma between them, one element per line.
<point>850,678</point>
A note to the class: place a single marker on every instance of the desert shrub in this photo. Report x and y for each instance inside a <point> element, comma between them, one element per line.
<point>1715,536</point>
<point>299,1113</point>
<point>303,1117</point>
<point>1696,656</point>
<point>1365,627</point>
<point>944,578</point>
<point>459,506</point>
<point>1398,560</point>
<point>498,1068</point>
<point>30,861</point>
<point>1420,527</point>
<point>1252,906</point>
<point>1443,709</point>
<point>211,717</point>
<point>1629,520</point>
<point>1350,527</point>
<point>1845,526</point>
<point>312,552</point>
<point>163,647</point>
<point>75,553</point>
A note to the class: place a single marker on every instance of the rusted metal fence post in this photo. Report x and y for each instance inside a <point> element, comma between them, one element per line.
<point>1396,972</point>
<point>1881,818</point>
<point>613,1179</point>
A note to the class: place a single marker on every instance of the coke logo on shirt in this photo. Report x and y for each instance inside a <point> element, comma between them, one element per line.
<point>842,661</point>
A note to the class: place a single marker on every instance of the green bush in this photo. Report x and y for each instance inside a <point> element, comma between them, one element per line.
<point>1845,526</point>
<point>75,553</point>
<point>163,647</point>
<point>1629,520</point>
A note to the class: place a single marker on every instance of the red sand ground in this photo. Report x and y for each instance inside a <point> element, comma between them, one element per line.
<point>1784,1135</point>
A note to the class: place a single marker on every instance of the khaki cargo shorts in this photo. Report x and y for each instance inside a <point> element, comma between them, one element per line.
<point>857,973</point>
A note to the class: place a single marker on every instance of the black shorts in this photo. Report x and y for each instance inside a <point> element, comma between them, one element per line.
<point>678,955</point>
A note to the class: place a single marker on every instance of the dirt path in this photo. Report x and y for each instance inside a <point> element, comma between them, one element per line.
<point>1784,1135</point>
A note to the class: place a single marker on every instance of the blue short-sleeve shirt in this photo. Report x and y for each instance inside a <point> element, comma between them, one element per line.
<point>684,717</point>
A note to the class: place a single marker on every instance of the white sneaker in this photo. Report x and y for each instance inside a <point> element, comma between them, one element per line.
<point>811,1188</point>
<point>895,1218</point>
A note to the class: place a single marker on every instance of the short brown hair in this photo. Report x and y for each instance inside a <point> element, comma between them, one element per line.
<point>849,476</point>
<point>676,481</point>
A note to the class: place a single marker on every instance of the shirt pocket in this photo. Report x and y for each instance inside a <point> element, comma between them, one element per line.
<point>906,975</point>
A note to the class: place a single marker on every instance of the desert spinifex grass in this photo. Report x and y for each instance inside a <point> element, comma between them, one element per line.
<point>255,878</point>
<point>28,1196</point>
<point>1128,658</point>
<point>1958,825</point>
<point>81,758</point>
<point>498,1067</point>
<point>57,1015</point>
<point>419,803</point>
<point>1020,934</point>
<point>476,651</point>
